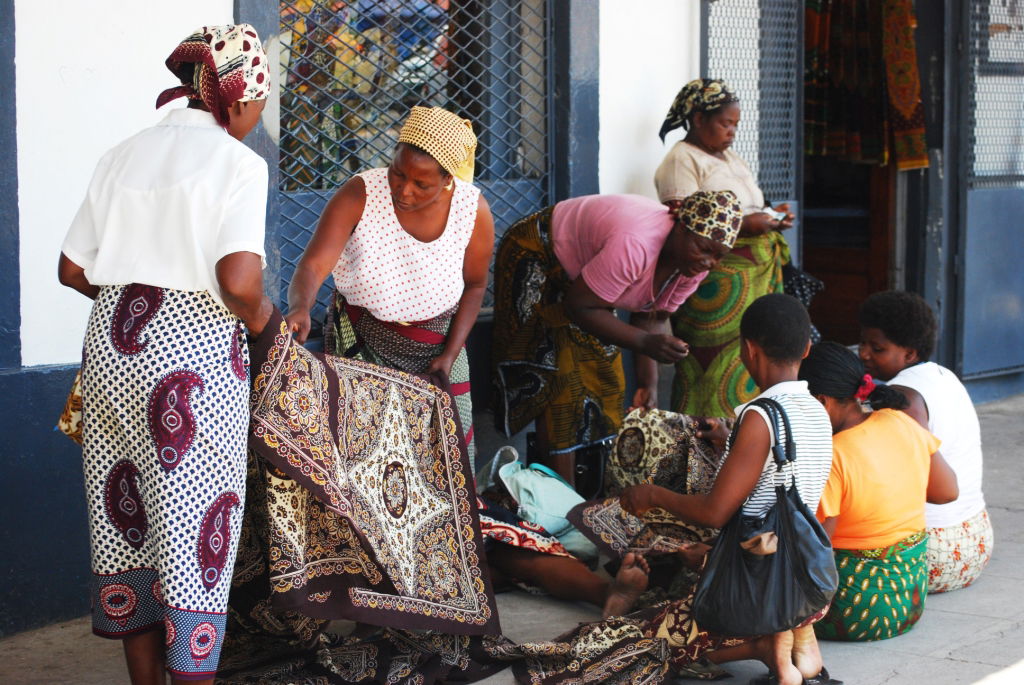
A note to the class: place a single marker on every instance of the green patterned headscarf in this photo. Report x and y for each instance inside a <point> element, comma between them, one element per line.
<point>699,95</point>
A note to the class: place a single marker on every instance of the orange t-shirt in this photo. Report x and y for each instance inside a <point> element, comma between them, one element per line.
<point>879,481</point>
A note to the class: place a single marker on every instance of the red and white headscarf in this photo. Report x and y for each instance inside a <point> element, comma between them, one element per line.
<point>219,65</point>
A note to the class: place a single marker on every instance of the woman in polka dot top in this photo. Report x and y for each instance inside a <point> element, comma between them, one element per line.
<point>409,247</point>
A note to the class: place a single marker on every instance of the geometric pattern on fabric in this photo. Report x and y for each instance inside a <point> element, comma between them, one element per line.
<point>711,380</point>
<point>380,458</point>
<point>146,519</point>
<point>352,331</point>
<point>126,603</point>
<point>958,554</point>
<point>194,640</point>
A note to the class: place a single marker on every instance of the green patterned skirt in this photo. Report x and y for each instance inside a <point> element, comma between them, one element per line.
<point>881,591</point>
<point>712,380</point>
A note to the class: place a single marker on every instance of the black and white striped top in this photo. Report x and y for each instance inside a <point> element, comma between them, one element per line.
<point>812,434</point>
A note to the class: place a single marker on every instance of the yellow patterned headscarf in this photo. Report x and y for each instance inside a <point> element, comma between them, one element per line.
<point>445,136</point>
<point>713,214</point>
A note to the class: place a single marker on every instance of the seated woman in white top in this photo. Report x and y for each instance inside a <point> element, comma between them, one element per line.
<point>897,338</point>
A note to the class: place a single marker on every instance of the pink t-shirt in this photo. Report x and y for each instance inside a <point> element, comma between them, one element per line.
<point>613,241</point>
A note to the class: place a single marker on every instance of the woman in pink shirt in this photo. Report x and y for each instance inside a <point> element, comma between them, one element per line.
<point>560,274</point>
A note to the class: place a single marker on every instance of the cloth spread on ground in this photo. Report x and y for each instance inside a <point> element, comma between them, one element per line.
<point>371,513</point>
<point>881,591</point>
<point>544,364</point>
<point>647,646</point>
<point>879,481</point>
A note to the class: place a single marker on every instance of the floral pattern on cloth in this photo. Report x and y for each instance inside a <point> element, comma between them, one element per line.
<point>371,515</point>
<point>958,554</point>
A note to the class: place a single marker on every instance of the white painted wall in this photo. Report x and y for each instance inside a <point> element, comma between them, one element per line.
<point>87,76</point>
<point>646,55</point>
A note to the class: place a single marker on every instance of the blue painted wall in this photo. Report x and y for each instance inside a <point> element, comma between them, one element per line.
<point>10,303</point>
<point>44,574</point>
<point>45,538</point>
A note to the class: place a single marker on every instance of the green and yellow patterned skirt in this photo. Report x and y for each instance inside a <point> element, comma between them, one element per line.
<point>712,380</point>
<point>881,591</point>
<point>545,365</point>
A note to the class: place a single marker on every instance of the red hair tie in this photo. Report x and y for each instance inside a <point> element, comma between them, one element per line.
<point>867,386</point>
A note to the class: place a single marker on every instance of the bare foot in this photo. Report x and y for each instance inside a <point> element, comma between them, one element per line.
<point>629,583</point>
<point>806,654</point>
<point>775,651</point>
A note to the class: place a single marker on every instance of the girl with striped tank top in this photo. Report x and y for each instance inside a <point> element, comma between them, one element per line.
<point>774,338</point>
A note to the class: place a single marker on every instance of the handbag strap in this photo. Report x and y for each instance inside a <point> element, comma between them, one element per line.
<point>783,451</point>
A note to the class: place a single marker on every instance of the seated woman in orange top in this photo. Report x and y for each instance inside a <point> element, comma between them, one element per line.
<point>885,467</point>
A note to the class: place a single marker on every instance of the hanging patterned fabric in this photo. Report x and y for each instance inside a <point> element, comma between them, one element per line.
<point>863,95</point>
<point>904,85</point>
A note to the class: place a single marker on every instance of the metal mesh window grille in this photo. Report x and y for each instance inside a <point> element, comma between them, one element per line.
<point>755,46</point>
<point>352,70</point>
<point>995,106</point>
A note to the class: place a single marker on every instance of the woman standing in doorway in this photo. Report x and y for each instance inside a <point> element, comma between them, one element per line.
<point>169,244</point>
<point>711,380</point>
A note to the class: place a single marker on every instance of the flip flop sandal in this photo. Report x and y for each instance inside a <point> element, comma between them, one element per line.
<point>823,678</point>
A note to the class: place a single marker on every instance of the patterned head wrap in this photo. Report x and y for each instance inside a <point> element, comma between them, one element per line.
<point>712,214</point>
<point>219,65</point>
<point>445,136</point>
<point>699,95</point>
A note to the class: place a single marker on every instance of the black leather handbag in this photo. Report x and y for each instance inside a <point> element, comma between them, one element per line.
<point>748,592</point>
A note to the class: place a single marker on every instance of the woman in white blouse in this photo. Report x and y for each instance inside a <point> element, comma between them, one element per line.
<point>169,244</point>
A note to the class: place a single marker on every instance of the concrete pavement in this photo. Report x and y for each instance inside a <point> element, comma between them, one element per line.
<point>974,635</point>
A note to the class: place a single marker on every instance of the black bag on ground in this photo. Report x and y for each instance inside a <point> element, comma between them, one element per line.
<point>744,593</point>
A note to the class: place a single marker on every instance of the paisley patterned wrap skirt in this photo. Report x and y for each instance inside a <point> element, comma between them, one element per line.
<point>165,387</point>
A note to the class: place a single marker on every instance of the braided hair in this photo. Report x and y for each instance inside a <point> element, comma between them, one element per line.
<point>834,371</point>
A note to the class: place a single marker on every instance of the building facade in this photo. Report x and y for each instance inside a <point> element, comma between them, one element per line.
<point>568,96</point>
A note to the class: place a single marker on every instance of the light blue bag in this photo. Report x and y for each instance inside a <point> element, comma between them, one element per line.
<point>545,498</point>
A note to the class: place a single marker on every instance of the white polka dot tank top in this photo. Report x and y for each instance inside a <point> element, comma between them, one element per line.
<point>392,274</point>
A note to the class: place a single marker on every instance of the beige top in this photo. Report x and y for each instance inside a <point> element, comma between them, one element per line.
<point>687,169</point>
